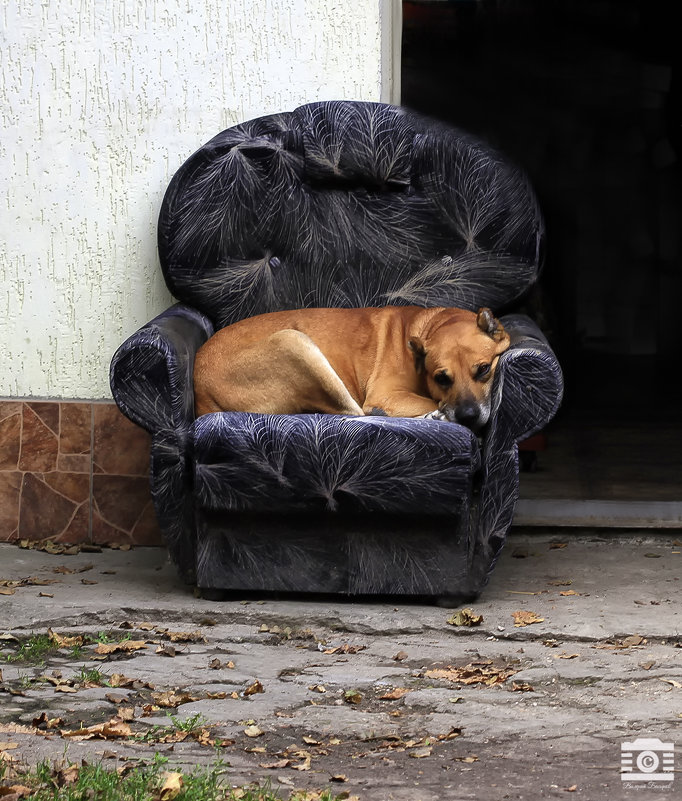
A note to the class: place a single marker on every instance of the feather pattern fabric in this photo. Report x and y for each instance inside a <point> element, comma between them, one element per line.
<point>347,204</point>
<point>245,462</point>
<point>338,204</point>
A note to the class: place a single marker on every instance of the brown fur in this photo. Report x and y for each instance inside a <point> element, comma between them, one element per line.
<point>354,361</point>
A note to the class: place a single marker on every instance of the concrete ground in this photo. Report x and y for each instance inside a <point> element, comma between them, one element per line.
<point>381,701</point>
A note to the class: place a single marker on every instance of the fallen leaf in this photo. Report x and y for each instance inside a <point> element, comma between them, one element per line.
<point>395,694</point>
<point>344,649</point>
<point>569,592</point>
<point>454,732</point>
<point>305,765</point>
<point>216,664</point>
<point>7,746</point>
<point>253,731</point>
<point>465,617</point>
<point>16,791</point>
<point>126,646</point>
<point>6,591</point>
<point>172,786</point>
<point>673,682</point>
<point>252,689</point>
<point>112,729</point>
<point>50,723</point>
<point>318,688</point>
<point>352,696</point>
<point>65,776</point>
<point>564,655</point>
<point>468,759</point>
<point>114,698</point>
<point>277,765</point>
<point>166,649</point>
<point>126,713</point>
<point>420,753</point>
<point>172,699</point>
<point>45,595</point>
<point>400,656</point>
<point>522,687</point>
<point>471,674</point>
<point>119,680</point>
<point>525,618</point>
<point>633,639</point>
<point>553,546</point>
<point>310,740</point>
<point>65,641</point>
<point>339,777</point>
<point>185,636</point>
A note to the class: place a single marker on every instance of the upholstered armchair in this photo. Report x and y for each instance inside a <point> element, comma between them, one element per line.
<point>338,204</point>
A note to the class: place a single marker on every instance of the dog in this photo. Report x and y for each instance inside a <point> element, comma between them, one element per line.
<point>400,361</point>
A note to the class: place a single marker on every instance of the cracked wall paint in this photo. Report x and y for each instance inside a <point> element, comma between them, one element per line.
<point>100,103</point>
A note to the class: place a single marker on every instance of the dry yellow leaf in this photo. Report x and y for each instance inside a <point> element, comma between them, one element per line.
<point>172,786</point>
<point>65,641</point>
<point>120,647</point>
<point>465,617</point>
<point>103,731</point>
<point>252,689</point>
<point>525,618</point>
<point>395,694</point>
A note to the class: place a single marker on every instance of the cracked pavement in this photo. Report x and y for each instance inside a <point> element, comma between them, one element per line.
<point>386,701</point>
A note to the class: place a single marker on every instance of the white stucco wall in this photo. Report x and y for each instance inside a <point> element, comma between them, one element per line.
<point>100,102</point>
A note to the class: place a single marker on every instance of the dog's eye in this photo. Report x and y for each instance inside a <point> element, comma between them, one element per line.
<point>482,371</point>
<point>442,379</point>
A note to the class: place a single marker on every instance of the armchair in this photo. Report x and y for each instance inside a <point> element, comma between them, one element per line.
<point>338,204</point>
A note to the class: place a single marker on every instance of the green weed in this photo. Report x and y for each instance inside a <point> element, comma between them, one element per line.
<point>141,783</point>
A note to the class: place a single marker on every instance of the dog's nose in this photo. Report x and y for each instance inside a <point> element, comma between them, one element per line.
<point>467,414</point>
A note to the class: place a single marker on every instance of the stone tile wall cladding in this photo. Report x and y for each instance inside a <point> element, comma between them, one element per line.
<point>74,472</point>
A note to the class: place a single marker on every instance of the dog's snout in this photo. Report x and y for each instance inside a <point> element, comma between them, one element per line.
<point>465,414</point>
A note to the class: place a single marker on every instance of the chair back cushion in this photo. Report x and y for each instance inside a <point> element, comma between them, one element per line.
<point>347,204</point>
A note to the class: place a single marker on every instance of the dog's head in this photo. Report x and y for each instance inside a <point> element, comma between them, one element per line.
<point>458,354</point>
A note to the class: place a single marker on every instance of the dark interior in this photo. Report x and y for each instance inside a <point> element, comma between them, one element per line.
<point>585,95</point>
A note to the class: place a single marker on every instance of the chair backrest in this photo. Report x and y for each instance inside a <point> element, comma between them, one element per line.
<point>347,204</point>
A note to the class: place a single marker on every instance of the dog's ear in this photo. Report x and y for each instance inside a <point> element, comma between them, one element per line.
<point>419,352</point>
<point>489,324</point>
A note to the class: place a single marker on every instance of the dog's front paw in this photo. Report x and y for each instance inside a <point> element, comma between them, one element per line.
<point>436,414</point>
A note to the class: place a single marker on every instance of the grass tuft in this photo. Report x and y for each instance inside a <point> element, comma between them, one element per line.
<point>147,782</point>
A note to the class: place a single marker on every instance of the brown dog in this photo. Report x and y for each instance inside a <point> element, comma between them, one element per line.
<point>402,361</point>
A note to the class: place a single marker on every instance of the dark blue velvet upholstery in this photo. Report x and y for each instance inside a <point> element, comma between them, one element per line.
<point>338,204</point>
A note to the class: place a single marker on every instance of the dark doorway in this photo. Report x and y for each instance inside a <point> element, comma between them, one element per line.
<point>586,96</point>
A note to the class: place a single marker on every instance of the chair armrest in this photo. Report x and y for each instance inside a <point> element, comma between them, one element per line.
<point>151,374</point>
<point>526,395</point>
<point>528,383</point>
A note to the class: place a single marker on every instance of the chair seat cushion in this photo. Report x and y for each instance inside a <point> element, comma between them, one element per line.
<point>313,462</point>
